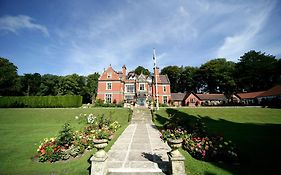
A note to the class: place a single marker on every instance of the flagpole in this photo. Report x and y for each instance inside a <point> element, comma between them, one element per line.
<point>156,86</point>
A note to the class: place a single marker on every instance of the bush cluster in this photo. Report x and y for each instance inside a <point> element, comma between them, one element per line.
<point>201,145</point>
<point>41,101</point>
<point>100,103</point>
<point>71,144</point>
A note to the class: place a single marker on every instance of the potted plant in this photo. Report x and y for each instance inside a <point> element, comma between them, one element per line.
<point>101,141</point>
<point>174,139</point>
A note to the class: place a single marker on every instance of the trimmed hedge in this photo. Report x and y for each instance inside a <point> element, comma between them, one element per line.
<point>41,101</point>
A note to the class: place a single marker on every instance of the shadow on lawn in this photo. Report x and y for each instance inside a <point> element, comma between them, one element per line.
<point>258,144</point>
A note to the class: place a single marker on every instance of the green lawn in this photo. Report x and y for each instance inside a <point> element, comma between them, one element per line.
<point>21,130</point>
<point>256,132</point>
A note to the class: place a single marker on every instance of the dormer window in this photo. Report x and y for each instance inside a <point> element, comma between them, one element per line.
<point>109,75</point>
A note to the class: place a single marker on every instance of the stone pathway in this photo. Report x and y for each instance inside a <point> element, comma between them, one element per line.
<point>139,150</point>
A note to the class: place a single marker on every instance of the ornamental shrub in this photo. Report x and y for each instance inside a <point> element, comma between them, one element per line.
<point>49,150</point>
<point>200,144</point>
<point>71,144</point>
<point>65,136</point>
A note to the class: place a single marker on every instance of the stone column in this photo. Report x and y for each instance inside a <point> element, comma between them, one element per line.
<point>99,165</point>
<point>177,164</point>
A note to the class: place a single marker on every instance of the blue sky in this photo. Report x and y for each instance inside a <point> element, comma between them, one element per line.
<point>70,36</point>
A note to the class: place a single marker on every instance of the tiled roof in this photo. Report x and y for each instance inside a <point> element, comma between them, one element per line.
<point>178,96</point>
<point>249,95</point>
<point>211,96</point>
<point>164,79</point>
<point>275,91</point>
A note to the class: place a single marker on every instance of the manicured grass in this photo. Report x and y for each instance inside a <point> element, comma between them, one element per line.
<point>21,130</point>
<point>256,132</point>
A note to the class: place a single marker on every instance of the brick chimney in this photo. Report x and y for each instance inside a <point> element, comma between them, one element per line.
<point>156,73</point>
<point>124,71</point>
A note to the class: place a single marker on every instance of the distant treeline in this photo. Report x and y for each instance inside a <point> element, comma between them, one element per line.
<point>12,84</point>
<point>254,71</point>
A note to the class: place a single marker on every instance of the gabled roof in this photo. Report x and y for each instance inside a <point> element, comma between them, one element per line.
<point>178,96</point>
<point>275,91</point>
<point>164,79</point>
<point>211,96</point>
<point>109,70</point>
<point>249,95</point>
<point>141,77</point>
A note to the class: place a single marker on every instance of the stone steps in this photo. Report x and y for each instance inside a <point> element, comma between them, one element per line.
<point>139,150</point>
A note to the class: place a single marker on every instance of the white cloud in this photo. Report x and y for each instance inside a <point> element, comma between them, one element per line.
<point>118,36</point>
<point>244,39</point>
<point>183,33</point>
<point>16,23</point>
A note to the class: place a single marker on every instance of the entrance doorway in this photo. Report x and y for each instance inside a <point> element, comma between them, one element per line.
<point>141,101</point>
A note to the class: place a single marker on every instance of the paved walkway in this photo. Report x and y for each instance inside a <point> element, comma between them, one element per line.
<point>139,150</point>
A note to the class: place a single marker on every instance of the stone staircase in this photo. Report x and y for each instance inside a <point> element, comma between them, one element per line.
<point>139,150</point>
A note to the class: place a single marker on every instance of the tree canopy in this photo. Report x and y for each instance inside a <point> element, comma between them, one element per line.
<point>9,79</point>
<point>254,71</point>
<point>142,70</point>
<point>257,71</point>
<point>217,75</point>
<point>181,78</point>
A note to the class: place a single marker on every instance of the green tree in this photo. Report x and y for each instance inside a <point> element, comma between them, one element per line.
<point>91,87</point>
<point>217,75</point>
<point>30,84</point>
<point>72,85</point>
<point>49,85</point>
<point>187,82</point>
<point>173,73</point>
<point>257,71</point>
<point>142,70</point>
<point>9,79</point>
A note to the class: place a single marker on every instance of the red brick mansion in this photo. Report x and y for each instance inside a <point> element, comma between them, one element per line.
<point>116,87</point>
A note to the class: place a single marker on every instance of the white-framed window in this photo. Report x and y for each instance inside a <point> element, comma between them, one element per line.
<point>108,86</point>
<point>108,98</point>
<point>109,75</point>
<point>142,87</point>
<point>164,89</point>
<point>165,99</point>
<point>130,88</point>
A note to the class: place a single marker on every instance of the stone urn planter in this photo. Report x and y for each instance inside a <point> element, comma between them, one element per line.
<point>100,144</point>
<point>175,144</point>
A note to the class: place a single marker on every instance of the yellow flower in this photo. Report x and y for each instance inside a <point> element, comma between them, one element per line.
<point>52,139</point>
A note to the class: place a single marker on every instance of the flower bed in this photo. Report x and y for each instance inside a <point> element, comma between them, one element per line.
<point>201,145</point>
<point>70,144</point>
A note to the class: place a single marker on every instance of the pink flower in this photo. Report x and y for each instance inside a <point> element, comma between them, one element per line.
<point>203,153</point>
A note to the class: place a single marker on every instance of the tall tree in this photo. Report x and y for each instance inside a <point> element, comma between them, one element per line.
<point>91,87</point>
<point>257,71</point>
<point>30,84</point>
<point>9,79</point>
<point>217,75</point>
<point>49,85</point>
<point>187,82</point>
<point>142,70</point>
<point>72,85</point>
<point>173,73</point>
